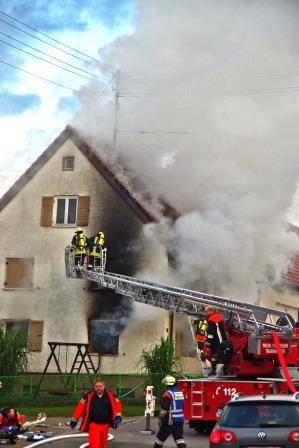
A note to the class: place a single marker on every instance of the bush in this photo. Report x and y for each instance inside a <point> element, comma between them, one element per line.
<point>159,360</point>
<point>14,353</point>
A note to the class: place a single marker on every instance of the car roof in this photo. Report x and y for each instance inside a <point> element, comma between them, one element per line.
<point>264,398</point>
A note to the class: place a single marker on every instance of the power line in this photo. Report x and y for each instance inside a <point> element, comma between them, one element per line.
<point>44,60</point>
<point>37,76</point>
<point>41,40</point>
<point>49,37</point>
<point>50,56</point>
<point>159,132</point>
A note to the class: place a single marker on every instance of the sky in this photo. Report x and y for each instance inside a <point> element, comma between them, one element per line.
<point>34,111</point>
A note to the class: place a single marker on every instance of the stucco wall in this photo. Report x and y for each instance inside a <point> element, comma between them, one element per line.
<point>285,299</point>
<point>66,304</point>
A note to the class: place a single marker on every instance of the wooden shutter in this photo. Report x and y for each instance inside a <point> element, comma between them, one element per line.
<point>47,211</point>
<point>83,210</point>
<point>35,335</point>
<point>19,273</point>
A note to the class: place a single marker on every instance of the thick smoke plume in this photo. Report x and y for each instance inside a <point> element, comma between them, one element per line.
<point>208,119</point>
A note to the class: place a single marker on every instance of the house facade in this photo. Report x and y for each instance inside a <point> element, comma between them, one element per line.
<point>69,186</point>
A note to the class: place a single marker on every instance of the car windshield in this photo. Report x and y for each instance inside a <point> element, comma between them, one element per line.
<point>260,415</point>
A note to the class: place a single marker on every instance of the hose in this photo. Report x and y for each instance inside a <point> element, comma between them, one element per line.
<point>68,436</point>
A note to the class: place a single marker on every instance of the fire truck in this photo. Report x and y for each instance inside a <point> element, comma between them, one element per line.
<point>265,342</point>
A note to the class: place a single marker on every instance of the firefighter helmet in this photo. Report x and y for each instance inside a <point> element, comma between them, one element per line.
<point>100,234</point>
<point>169,380</point>
<point>79,230</point>
<point>210,308</point>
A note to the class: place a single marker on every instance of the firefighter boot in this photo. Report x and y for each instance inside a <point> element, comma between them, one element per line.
<point>213,368</point>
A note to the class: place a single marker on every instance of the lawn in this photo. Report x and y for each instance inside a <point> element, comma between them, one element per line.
<point>129,410</point>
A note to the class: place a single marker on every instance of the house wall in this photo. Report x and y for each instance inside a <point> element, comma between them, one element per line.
<point>64,304</point>
<point>284,299</point>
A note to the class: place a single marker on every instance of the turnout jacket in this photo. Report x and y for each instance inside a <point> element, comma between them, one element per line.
<point>215,332</point>
<point>82,409</point>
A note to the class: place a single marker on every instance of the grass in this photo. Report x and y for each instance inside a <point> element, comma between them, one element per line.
<point>129,410</point>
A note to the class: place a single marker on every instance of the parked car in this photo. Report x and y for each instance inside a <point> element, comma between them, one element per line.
<point>258,421</point>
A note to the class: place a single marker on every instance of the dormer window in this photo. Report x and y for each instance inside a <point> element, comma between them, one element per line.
<point>68,163</point>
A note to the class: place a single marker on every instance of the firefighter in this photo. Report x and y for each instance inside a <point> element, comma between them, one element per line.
<point>10,418</point>
<point>216,335</point>
<point>95,245</point>
<point>99,410</point>
<point>171,416</point>
<point>201,335</point>
<point>80,246</point>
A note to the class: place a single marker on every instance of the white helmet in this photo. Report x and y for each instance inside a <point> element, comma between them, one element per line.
<point>169,380</point>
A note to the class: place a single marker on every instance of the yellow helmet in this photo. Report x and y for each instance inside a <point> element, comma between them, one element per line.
<point>169,380</point>
<point>100,234</point>
<point>79,230</point>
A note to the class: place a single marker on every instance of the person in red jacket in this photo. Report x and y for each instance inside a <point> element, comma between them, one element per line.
<point>216,334</point>
<point>10,418</point>
<point>99,410</point>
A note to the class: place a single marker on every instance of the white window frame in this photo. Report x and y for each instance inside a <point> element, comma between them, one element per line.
<point>64,163</point>
<point>66,210</point>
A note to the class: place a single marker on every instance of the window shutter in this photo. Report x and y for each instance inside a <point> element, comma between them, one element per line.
<point>83,210</point>
<point>47,211</point>
<point>35,335</point>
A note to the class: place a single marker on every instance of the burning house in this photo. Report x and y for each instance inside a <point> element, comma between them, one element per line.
<point>69,186</point>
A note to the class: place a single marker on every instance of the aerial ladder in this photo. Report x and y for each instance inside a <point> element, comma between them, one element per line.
<point>261,337</point>
<point>255,322</point>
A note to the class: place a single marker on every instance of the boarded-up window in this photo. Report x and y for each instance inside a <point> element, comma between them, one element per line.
<point>104,336</point>
<point>47,211</point>
<point>83,210</point>
<point>31,329</point>
<point>19,273</point>
<point>68,163</point>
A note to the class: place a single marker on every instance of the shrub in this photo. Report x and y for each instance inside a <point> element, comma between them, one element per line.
<point>159,360</point>
<point>14,353</point>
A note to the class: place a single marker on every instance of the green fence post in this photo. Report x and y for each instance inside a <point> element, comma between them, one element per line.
<point>31,386</point>
<point>119,385</point>
<point>75,383</point>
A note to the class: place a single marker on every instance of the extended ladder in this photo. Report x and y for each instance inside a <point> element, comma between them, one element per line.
<point>249,317</point>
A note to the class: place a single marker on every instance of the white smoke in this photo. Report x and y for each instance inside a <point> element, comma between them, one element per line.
<point>208,120</point>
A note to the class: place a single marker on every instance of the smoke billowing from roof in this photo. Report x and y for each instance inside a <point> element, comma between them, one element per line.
<point>208,120</point>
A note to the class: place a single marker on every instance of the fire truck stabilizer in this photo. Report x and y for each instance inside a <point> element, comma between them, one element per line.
<point>265,355</point>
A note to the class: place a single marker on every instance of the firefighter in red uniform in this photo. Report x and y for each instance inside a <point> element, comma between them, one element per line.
<point>216,335</point>
<point>99,410</point>
<point>10,418</point>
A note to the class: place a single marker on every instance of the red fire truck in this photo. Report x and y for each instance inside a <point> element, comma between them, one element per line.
<point>264,342</point>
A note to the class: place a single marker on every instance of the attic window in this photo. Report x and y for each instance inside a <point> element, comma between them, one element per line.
<point>68,163</point>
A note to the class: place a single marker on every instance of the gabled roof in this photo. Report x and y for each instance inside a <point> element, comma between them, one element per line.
<point>138,203</point>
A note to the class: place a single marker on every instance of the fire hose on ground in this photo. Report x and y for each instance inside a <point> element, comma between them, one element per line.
<point>68,436</point>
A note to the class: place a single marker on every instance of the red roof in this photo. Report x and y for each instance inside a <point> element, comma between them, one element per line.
<point>292,276</point>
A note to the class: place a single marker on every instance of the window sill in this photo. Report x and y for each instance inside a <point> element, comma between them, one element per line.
<point>19,289</point>
<point>64,226</point>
